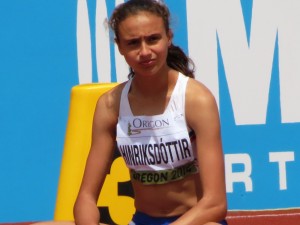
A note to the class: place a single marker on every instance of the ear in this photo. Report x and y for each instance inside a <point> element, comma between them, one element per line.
<point>170,36</point>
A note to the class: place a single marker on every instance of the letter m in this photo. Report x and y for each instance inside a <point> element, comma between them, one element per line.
<point>248,64</point>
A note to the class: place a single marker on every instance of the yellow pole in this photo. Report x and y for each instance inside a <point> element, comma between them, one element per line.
<point>76,148</point>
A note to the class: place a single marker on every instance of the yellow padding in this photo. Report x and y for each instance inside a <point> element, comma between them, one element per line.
<point>77,144</point>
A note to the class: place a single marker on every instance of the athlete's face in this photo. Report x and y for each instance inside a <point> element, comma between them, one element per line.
<point>144,42</point>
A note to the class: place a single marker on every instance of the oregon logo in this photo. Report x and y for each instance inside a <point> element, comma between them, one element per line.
<point>138,125</point>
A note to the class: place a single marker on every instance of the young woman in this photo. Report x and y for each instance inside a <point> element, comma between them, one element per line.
<point>166,125</point>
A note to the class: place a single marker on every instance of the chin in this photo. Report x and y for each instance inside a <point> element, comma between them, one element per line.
<point>147,73</point>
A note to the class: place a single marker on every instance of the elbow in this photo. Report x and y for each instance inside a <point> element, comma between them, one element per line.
<point>76,207</point>
<point>222,210</point>
<point>79,206</point>
<point>218,209</point>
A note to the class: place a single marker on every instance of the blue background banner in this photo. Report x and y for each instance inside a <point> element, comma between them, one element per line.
<point>247,52</point>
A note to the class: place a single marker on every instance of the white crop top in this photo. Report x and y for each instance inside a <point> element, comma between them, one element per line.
<point>157,149</point>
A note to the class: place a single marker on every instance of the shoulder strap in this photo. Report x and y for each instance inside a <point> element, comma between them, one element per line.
<point>177,100</point>
<point>125,109</point>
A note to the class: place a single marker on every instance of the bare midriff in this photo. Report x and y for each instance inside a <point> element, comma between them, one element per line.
<point>170,199</point>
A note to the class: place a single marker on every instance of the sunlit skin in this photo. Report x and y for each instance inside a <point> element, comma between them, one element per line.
<point>198,199</point>
<point>144,42</point>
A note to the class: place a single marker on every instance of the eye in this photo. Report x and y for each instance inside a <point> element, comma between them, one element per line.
<point>133,42</point>
<point>153,39</point>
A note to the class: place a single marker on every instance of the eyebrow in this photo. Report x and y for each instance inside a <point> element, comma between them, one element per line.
<point>138,38</point>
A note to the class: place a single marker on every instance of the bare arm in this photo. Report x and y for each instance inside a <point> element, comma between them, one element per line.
<point>98,162</point>
<point>203,117</point>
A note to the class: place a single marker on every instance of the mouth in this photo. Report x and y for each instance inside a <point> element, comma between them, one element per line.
<point>147,63</point>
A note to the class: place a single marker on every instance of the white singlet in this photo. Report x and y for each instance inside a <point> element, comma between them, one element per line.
<point>157,149</point>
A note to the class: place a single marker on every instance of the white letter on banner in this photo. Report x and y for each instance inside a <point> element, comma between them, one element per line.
<point>102,39</point>
<point>102,43</point>
<point>202,42</point>
<point>248,68</point>
<point>238,177</point>
<point>122,69</point>
<point>103,47</point>
<point>282,158</point>
<point>289,58</point>
<point>83,43</point>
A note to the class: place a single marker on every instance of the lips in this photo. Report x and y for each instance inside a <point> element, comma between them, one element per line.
<point>147,63</point>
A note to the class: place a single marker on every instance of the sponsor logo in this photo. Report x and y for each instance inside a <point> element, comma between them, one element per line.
<point>138,125</point>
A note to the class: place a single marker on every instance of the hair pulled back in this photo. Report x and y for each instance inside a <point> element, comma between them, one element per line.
<point>176,58</point>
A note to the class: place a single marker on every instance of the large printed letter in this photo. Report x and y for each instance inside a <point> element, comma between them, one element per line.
<point>289,58</point>
<point>102,43</point>
<point>202,41</point>
<point>122,68</point>
<point>238,177</point>
<point>103,40</point>
<point>281,158</point>
<point>83,43</point>
<point>248,67</point>
<point>104,60</point>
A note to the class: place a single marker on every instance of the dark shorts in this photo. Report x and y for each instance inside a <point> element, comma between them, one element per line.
<point>140,218</point>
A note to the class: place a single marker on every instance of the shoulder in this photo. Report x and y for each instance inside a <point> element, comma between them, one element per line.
<point>198,93</point>
<point>200,107</point>
<point>111,98</point>
<point>108,103</point>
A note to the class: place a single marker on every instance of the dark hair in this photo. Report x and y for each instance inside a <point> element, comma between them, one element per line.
<point>176,58</point>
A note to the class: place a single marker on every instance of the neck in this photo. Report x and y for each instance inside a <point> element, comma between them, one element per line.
<point>150,86</point>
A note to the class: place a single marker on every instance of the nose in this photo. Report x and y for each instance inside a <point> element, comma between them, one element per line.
<point>144,49</point>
